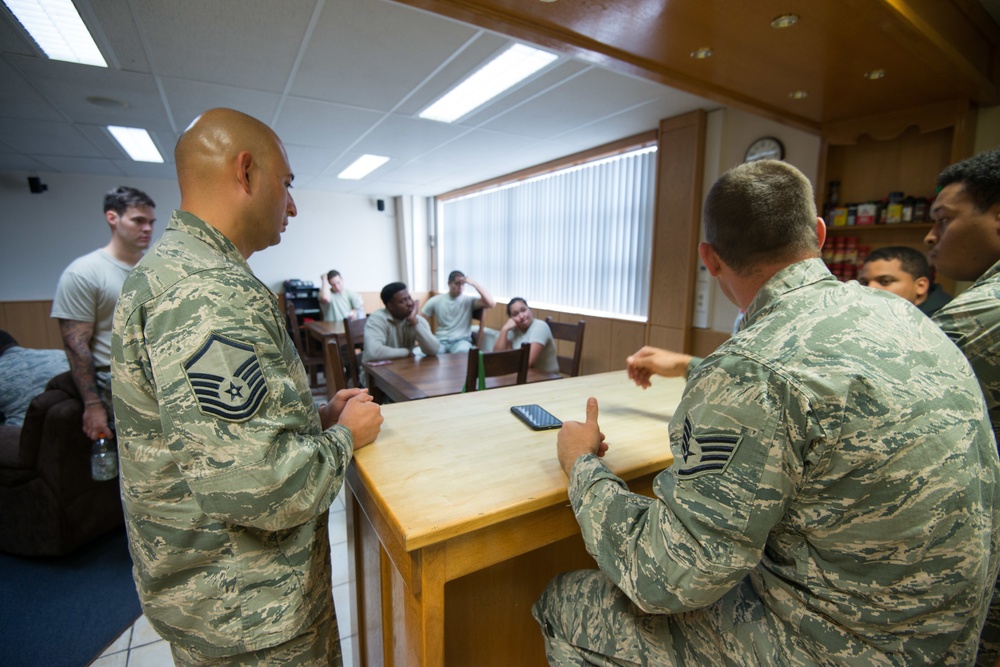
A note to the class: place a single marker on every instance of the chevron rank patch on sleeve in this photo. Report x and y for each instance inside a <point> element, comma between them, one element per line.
<point>704,453</point>
<point>226,378</point>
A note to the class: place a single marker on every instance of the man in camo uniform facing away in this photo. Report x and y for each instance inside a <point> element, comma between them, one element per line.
<point>833,498</point>
<point>965,245</point>
<point>227,466</point>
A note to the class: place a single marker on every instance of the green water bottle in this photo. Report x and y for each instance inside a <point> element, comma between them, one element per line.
<point>103,460</point>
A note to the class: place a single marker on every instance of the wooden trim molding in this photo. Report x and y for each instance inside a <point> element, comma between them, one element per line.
<point>621,146</point>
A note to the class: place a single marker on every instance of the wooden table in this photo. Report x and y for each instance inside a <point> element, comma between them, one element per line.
<point>322,332</point>
<point>458,516</point>
<point>416,377</point>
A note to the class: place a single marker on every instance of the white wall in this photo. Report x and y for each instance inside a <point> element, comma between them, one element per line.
<point>41,233</point>
<point>729,133</point>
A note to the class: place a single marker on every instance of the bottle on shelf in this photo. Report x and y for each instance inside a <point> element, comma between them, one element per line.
<point>103,460</point>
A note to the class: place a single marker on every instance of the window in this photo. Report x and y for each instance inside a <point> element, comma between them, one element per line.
<point>576,239</point>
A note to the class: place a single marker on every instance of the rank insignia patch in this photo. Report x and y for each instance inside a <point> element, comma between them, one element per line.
<point>226,378</point>
<point>705,452</point>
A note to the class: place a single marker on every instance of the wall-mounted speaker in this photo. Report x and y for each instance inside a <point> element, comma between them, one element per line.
<point>36,186</point>
<point>380,204</point>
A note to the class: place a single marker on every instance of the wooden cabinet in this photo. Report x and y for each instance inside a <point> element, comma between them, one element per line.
<point>897,152</point>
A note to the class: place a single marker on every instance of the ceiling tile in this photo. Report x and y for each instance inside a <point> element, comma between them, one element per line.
<point>373,55</point>
<point>247,43</point>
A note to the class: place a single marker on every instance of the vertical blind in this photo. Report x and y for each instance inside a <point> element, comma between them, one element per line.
<point>578,239</point>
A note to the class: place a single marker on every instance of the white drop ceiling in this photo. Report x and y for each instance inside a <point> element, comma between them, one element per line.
<point>334,78</point>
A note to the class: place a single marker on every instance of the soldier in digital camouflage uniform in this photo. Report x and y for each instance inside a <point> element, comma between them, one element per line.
<point>965,245</point>
<point>833,498</point>
<point>227,466</point>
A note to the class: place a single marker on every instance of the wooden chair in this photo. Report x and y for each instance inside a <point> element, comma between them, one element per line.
<point>570,332</point>
<point>497,363</point>
<point>354,330</point>
<point>334,360</point>
<point>312,362</point>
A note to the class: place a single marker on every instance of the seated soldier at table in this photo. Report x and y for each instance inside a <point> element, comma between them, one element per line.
<point>521,328</point>
<point>454,312</point>
<point>393,331</point>
<point>905,272</point>
<point>336,301</point>
<point>834,494</point>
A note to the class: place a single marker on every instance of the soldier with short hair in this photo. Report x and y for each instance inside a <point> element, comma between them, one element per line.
<point>85,302</point>
<point>965,245</point>
<point>227,467</point>
<point>834,495</point>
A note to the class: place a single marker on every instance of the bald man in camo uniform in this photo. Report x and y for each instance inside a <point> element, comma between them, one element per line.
<point>227,466</point>
<point>834,493</point>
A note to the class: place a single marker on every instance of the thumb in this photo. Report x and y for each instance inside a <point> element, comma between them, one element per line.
<point>591,410</point>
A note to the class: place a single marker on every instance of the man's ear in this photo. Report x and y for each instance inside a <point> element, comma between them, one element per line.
<point>244,163</point>
<point>922,284</point>
<point>709,258</point>
<point>112,218</point>
<point>820,232</point>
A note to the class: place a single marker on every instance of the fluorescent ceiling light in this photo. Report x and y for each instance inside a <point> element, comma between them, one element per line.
<point>503,72</point>
<point>363,166</point>
<point>136,142</point>
<point>57,28</point>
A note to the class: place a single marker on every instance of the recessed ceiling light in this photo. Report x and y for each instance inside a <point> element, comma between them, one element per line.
<point>503,72</point>
<point>107,102</point>
<point>798,94</point>
<point>875,74</point>
<point>363,166</point>
<point>136,142</point>
<point>57,28</point>
<point>702,53</point>
<point>784,21</point>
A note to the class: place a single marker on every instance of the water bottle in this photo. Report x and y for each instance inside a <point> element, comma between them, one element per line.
<point>103,460</point>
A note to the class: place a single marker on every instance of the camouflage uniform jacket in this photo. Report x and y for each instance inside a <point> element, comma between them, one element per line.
<point>972,320</point>
<point>226,473</point>
<point>836,450</point>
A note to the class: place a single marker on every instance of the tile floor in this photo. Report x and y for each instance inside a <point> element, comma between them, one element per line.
<point>140,646</point>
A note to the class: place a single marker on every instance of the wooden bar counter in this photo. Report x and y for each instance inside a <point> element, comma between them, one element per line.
<point>458,516</point>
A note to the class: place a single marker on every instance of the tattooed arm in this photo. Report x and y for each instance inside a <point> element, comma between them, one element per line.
<point>76,339</point>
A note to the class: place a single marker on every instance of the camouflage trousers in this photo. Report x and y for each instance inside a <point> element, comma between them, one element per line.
<point>989,638</point>
<point>317,646</point>
<point>587,620</point>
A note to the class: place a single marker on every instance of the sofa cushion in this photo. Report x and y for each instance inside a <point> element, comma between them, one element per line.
<point>10,445</point>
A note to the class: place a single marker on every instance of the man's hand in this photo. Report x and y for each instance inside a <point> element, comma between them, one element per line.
<point>363,417</point>
<point>329,412</point>
<point>412,316</point>
<point>576,439</point>
<point>650,361</point>
<point>95,421</point>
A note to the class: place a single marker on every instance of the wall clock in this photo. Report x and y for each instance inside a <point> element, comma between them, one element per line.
<point>765,148</point>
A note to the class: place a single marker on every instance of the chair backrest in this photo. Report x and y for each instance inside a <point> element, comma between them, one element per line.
<point>294,330</point>
<point>355,332</point>
<point>335,363</point>
<point>477,336</point>
<point>497,363</point>
<point>569,332</point>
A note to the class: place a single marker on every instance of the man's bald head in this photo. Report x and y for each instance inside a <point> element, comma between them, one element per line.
<point>214,139</point>
<point>233,173</point>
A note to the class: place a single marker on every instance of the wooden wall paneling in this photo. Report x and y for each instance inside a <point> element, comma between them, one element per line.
<point>669,338</point>
<point>30,324</point>
<point>706,341</point>
<point>626,338</point>
<point>680,170</point>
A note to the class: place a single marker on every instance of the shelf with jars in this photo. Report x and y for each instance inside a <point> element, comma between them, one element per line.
<point>873,161</point>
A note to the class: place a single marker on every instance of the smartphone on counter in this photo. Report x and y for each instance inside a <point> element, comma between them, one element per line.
<point>535,416</point>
